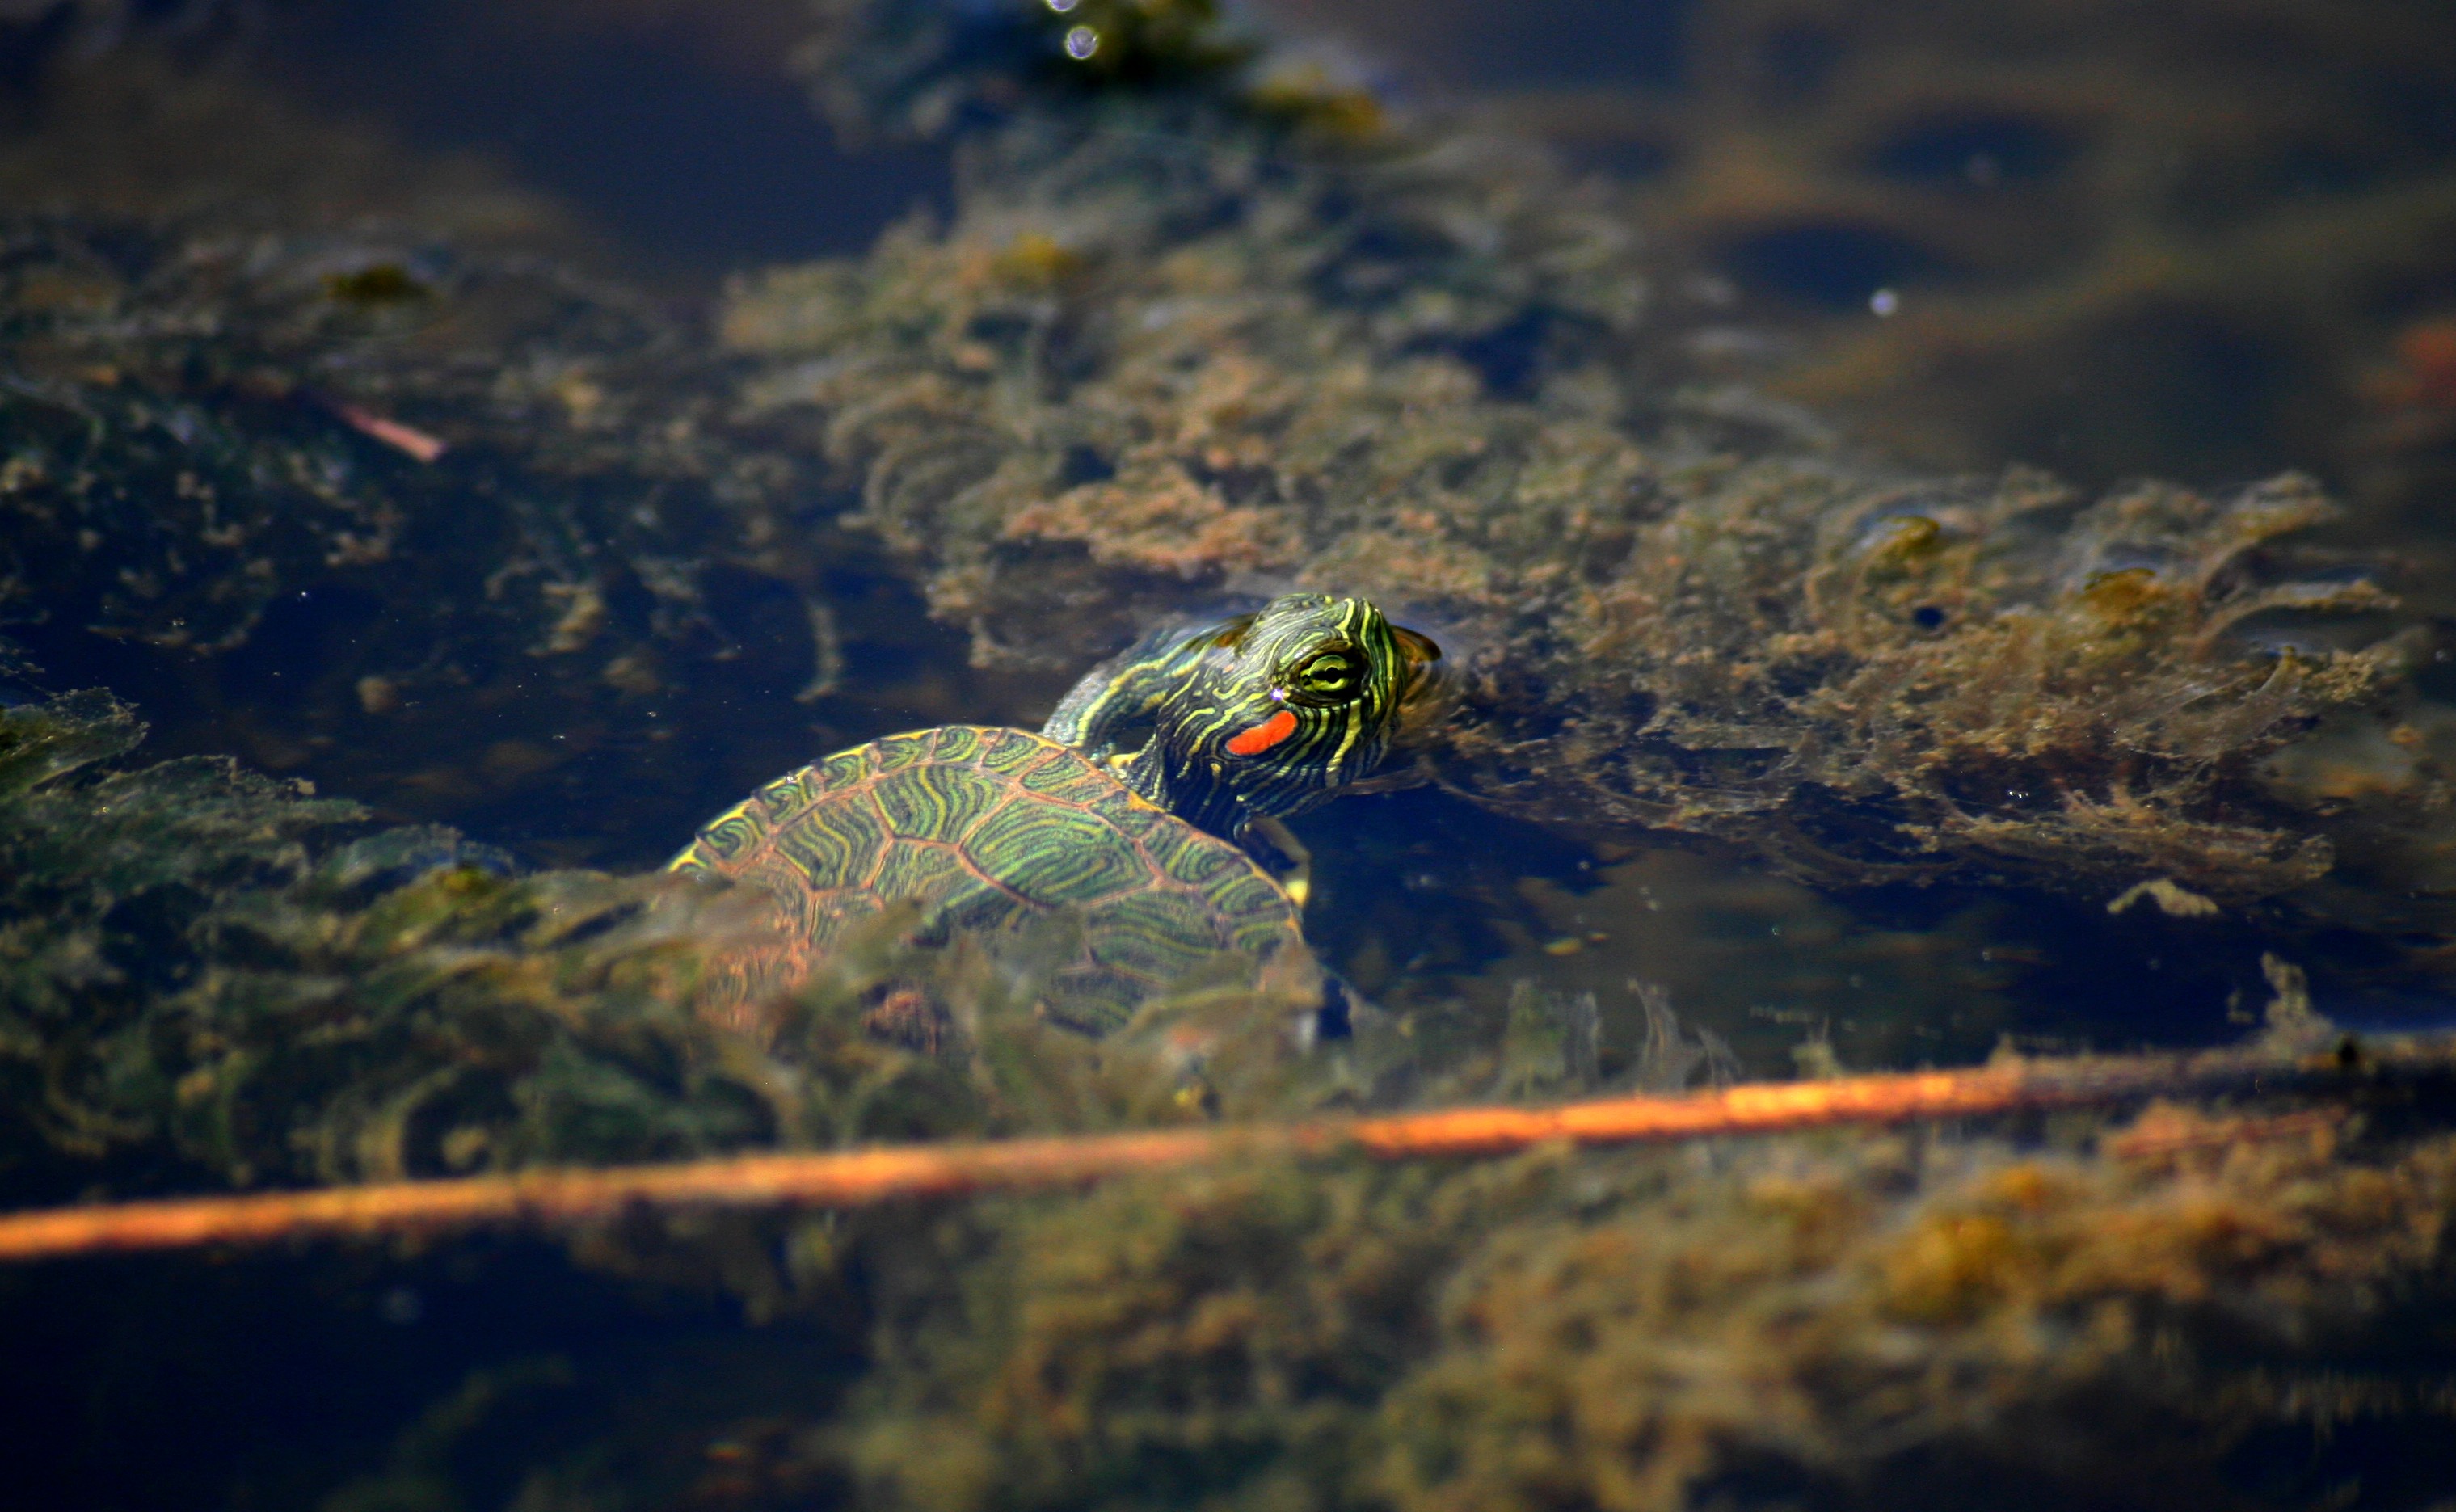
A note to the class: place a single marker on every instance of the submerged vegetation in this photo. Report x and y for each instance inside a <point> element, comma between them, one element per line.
<point>1875,1322</point>
<point>470,538</point>
<point>213,976</point>
<point>1423,367</point>
<point>239,982</point>
<point>330,501</point>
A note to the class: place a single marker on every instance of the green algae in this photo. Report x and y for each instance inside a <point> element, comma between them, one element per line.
<point>225,979</point>
<point>1168,346</point>
<point>330,501</point>
<point>213,974</point>
<point>2188,1306</point>
<point>209,975</point>
<point>1803,1322</point>
<point>1178,343</point>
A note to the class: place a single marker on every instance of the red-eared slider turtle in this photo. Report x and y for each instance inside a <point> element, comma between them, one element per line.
<point>990,830</point>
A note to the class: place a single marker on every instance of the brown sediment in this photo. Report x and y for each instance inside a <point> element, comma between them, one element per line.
<point>861,1177</point>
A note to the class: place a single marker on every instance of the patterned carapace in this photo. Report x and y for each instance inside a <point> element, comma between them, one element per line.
<point>992,831</point>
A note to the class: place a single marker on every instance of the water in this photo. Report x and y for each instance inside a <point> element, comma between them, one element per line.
<point>1956,245</point>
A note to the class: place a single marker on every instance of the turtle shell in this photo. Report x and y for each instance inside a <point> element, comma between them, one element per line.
<point>990,829</point>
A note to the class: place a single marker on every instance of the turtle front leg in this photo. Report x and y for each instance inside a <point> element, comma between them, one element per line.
<point>1281,855</point>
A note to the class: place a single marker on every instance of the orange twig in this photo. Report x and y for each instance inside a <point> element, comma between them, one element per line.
<point>859,1178</point>
<point>406,439</point>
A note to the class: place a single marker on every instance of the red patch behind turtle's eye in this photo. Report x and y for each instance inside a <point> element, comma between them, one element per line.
<point>1264,736</point>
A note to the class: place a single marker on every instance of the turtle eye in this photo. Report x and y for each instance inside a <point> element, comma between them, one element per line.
<point>1334,674</point>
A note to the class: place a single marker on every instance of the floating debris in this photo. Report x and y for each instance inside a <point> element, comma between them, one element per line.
<point>2173,900</point>
<point>408,440</point>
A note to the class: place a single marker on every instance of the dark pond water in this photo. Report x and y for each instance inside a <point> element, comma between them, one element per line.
<point>2197,246</point>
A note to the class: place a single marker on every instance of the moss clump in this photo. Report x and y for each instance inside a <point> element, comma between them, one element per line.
<point>1164,350</point>
<point>1825,1322</point>
<point>330,502</point>
<point>2085,1322</point>
<point>203,424</point>
<point>207,975</point>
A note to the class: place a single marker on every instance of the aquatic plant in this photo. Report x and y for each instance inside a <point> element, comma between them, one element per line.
<point>1169,347</point>
<point>209,975</point>
<point>335,497</point>
<point>212,975</point>
<point>2215,1307</point>
<point>1819,1323</point>
<point>1179,341</point>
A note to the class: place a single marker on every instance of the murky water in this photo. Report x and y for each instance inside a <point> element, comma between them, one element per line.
<point>1952,245</point>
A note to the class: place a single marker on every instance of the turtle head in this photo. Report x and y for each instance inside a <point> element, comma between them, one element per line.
<point>1288,705</point>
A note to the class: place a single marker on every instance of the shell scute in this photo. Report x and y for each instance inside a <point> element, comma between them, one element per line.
<point>1068,781</point>
<point>955,744</point>
<point>935,802</point>
<point>1158,936</point>
<point>1010,750</point>
<point>1259,938</point>
<point>1130,815</point>
<point>1196,865</point>
<point>831,845</point>
<point>726,836</point>
<point>898,752</point>
<point>844,770</point>
<point>913,869</point>
<point>1056,857</point>
<point>1161,843</point>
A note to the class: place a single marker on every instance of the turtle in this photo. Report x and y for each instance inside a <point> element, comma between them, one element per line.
<point>1142,814</point>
